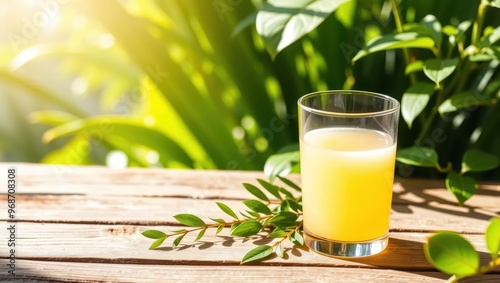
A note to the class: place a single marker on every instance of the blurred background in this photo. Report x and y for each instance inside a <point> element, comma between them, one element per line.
<point>188,83</point>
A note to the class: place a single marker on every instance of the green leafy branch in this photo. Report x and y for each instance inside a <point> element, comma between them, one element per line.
<point>452,254</point>
<point>461,186</point>
<point>280,220</point>
<point>448,251</point>
<point>446,86</point>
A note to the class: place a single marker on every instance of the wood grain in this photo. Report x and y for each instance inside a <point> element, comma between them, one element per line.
<point>70,271</point>
<point>160,211</point>
<point>125,244</point>
<point>84,224</point>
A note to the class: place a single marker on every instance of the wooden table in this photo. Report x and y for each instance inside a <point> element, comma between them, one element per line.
<point>84,224</point>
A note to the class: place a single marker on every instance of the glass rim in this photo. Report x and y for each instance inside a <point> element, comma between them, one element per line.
<point>391,110</point>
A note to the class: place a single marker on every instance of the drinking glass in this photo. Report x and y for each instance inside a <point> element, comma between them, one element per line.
<point>347,155</point>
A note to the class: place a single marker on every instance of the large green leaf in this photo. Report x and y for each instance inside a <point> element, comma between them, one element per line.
<point>462,187</point>
<point>201,109</point>
<point>282,22</point>
<point>52,117</point>
<point>437,70</point>
<point>75,152</point>
<point>38,91</point>
<point>492,236</point>
<point>400,40</point>
<point>452,254</point>
<point>87,55</point>
<point>418,156</point>
<point>464,100</point>
<point>109,127</point>
<point>477,160</point>
<point>414,67</point>
<point>415,100</point>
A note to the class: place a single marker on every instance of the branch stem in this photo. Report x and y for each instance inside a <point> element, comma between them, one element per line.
<point>399,28</point>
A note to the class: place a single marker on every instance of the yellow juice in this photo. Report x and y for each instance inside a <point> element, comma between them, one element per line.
<point>347,178</point>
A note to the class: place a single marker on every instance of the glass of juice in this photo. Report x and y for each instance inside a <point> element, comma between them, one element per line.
<point>347,157</point>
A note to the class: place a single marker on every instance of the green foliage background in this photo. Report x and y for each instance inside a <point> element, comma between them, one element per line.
<point>189,83</point>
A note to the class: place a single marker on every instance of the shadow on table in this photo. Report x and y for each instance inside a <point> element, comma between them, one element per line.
<point>413,259</point>
<point>423,197</point>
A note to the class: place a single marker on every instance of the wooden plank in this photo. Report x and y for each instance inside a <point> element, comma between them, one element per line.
<point>125,245</point>
<point>160,211</point>
<point>206,184</point>
<point>99,272</point>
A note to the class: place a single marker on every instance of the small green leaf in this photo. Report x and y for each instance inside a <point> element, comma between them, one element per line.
<point>179,231</point>
<point>437,70</point>
<point>272,189</point>
<point>177,241</point>
<point>283,162</point>
<point>246,229</point>
<point>257,254</point>
<point>284,206</point>
<point>434,27</point>
<point>415,100</point>
<point>189,220</point>
<point>476,160</point>
<point>266,222</point>
<point>257,206</point>
<point>462,187</point>
<point>200,235</point>
<point>463,27</point>
<point>219,229</point>
<point>253,213</point>
<point>256,192</point>
<point>157,243</point>
<point>494,3</point>
<point>279,251</point>
<point>414,67</point>
<point>218,220</point>
<point>449,30</point>
<point>400,40</point>
<point>278,233</point>
<point>297,239</point>
<point>490,39</point>
<point>452,254</point>
<point>289,183</point>
<point>493,237</point>
<point>154,234</point>
<point>286,192</point>
<point>294,205</point>
<point>463,100</point>
<point>227,210</point>
<point>418,156</point>
<point>246,215</point>
<point>285,219</point>
<point>280,23</point>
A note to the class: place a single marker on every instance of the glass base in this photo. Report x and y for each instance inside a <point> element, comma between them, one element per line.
<point>345,249</point>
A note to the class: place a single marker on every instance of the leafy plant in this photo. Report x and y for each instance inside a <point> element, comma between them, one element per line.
<point>452,71</point>
<point>280,221</point>
<point>452,254</point>
<point>461,186</point>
